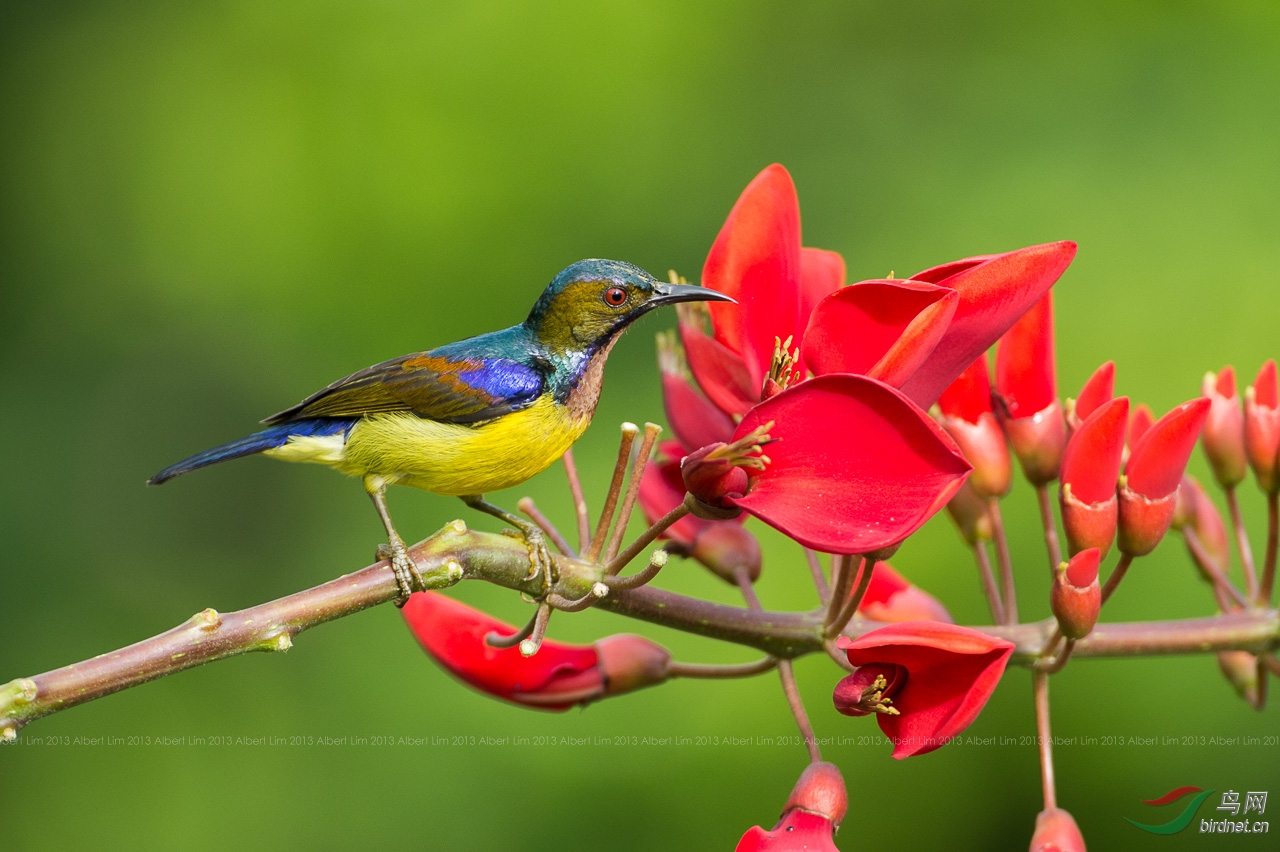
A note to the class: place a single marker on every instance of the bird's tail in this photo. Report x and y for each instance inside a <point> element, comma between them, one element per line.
<point>268,439</point>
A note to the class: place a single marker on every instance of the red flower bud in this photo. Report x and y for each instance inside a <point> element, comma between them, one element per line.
<point>1139,422</point>
<point>630,662</point>
<point>712,476</point>
<point>1075,596</point>
<point>1148,492</point>
<point>726,546</point>
<point>969,420</point>
<point>1224,428</point>
<point>1026,382</point>
<point>1262,427</point>
<point>1090,468</point>
<point>812,814</point>
<point>891,597</point>
<point>1100,387</point>
<point>820,791</point>
<point>1056,831</point>
<point>1196,514</point>
<point>926,681</point>
<point>969,511</point>
<point>1240,668</point>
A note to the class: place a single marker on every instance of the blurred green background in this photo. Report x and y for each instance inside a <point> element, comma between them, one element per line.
<point>208,210</point>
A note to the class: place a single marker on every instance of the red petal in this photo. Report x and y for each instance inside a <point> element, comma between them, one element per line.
<point>821,273</point>
<point>798,830</point>
<point>1082,570</point>
<point>453,633</point>
<point>995,291</point>
<point>1160,457</point>
<point>722,375</point>
<point>1091,463</point>
<point>1100,388</point>
<point>1025,374</point>
<point>891,597</point>
<point>1266,392</point>
<point>951,672</point>
<point>694,420</point>
<point>855,466</point>
<point>884,329</point>
<point>756,260</point>
<point>969,396</point>
<point>1139,422</point>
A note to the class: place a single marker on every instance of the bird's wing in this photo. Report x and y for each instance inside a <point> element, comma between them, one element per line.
<point>432,386</point>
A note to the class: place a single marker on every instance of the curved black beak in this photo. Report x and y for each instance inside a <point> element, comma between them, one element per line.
<point>669,294</point>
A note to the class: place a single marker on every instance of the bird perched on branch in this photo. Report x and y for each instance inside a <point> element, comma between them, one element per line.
<point>470,417</point>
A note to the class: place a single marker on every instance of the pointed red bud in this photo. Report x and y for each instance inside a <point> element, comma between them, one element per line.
<point>1025,374</point>
<point>1075,596</point>
<point>969,511</point>
<point>1148,493</point>
<point>1090,468</point>
<point>967,416</point>
<point>1100,387</point>
<point>1056,831</point>
<point>711,475</point>
<point>1139,422</point>
<point>1240,668</point>
<point>1223,436</point>
<point>891,597</point>
<point>631,662</point>
<point>1262,427</point>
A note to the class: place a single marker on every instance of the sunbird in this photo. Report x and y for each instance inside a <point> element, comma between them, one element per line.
<point>478,415</point>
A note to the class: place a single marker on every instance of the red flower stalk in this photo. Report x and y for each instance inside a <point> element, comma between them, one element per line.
<point>1099,388</point>
<point>1075,596</point>
<point>1223,435</point>
<point>926,681</point>
<point>891,597</point>
<point>1026,382</point>
<point>1262,427</point>
<point>969,419</point>
<point>722,546</point>
<point>556,678</point>
<point>1090,468</point>
<point>813,812</point>
<point>1148,490</point>
<point>1056,831</point>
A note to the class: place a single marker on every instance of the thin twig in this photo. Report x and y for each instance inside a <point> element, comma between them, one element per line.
<point>1116,576</point>
<point>598,591</point>
<point>496,640</point>
<point>855,600</point>
<point>989,587</point>
<point>1202,558</point>
<point>579,501</point>
<point>839,657</point>
<point>788,677</point>
<point>1273,541</point>
<point>1005,562</point>
<point>1040,691</point>
<point>819,580</point>
<point>712,670</point>
<point>541,619</point>
<point>530,508</point>
<point>646,538</point>
<point>657,561</point>
<point>1242,542</point>
<point>651,433</point>
<point>1050,527</point>
<point>629,431</point>
<point>1056,664</point>
<point>842,578</point>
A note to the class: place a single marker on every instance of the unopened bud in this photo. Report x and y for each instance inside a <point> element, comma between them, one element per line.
<point>1075,596</point>
<point>983,446</point>
<point>1038,442</point>
<point>725,547</point>
<point>1241,670</point>
<point>631,662</point>
<point>1262,428</point>
<point>712,479</point>
<point>820,791</point>
<point>1056,831</point>
<point>1143,522</point>
<point>969,511</point>
<point>1223,435</point>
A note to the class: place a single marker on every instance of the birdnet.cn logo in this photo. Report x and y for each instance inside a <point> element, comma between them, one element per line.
<point>1243,809</point>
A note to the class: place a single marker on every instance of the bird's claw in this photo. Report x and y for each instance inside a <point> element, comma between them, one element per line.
<point>408,577</point>
<point>540,562</point>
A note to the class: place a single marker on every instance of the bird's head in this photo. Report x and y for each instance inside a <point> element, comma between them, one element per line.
<point>592,300</point>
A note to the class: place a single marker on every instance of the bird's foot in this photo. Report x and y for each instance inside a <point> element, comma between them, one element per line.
<point>540,562</point>
<point>408,577</point>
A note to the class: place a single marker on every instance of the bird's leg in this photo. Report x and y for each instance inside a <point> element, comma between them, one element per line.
<point>539,557</point>
<point>407,574</point>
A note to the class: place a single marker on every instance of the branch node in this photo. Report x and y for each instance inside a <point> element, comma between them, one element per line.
<point>279,642</point>
<point>207,619</point>
<point>453,568</point>
<point>457,527</point>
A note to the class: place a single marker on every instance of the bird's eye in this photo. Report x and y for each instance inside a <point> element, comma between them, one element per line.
<point>615,297</point>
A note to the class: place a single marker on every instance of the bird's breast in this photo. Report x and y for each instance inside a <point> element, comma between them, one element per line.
<point>584,392</point>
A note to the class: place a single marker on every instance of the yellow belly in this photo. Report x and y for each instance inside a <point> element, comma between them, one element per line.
<point>447,458</point>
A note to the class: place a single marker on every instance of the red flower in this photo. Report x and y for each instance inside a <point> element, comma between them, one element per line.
<point>926,681</point>
<point>1148,494</point>
<point>1090,468</point>
<point>556,678</point>
<point>1075,596</point>
<point>1027,384</point>
<point>891,597</point>
<point>969,419</point>
<point>809,819</point>
<point>1224,428</point>
<point>1056,831</point>
<point>1262,427</point>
